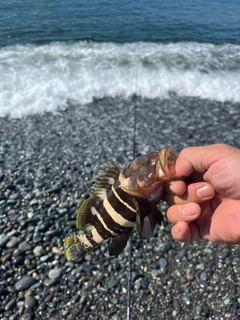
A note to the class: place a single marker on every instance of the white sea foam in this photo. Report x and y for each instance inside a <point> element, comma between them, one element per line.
<point>42,78</point>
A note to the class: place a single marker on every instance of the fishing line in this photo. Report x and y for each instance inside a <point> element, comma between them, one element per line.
<point>129,274</point>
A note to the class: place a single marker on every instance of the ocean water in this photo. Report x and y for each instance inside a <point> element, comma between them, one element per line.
<point>60,52</point>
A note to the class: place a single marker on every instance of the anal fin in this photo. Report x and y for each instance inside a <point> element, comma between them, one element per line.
<point>118,243</point>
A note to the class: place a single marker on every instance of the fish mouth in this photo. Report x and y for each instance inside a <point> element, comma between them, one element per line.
<point>165,165</point>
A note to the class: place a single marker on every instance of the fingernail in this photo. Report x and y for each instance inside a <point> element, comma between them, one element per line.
<point>188,210</point>
<point>204,192</point>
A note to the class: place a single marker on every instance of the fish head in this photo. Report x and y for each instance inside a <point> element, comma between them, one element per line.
<point>146,174</point>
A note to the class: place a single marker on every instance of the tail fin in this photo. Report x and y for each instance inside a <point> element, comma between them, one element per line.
<point>76,246</point>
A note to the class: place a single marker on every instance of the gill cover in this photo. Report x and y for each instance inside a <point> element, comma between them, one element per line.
<point>146,174</point>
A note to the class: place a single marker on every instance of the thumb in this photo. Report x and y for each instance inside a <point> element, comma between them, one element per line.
<point>197,159</point>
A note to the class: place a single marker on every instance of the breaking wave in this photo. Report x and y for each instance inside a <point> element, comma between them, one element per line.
<point>38,78</point>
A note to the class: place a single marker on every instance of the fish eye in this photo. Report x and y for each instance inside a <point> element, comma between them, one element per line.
<point>146,162</point>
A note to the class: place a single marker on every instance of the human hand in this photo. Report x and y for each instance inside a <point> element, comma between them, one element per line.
<point>207,205</point>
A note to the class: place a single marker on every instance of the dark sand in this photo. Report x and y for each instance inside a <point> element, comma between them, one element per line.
<point>47,165</point>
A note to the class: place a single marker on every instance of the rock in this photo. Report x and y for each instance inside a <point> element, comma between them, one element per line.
<point>12,243</point>
<point>55,273</point>
<point>30,302</point>
<point>25,283</point>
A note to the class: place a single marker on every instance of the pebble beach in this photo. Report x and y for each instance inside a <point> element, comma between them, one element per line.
<point>47,166</point>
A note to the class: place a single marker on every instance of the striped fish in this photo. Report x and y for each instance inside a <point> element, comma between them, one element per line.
<point>121,199</point>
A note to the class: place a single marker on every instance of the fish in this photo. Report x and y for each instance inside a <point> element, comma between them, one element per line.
<point>121,199</point>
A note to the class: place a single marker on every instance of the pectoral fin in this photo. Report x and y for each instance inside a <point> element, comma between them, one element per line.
<point>118,243</point>
<point>150,221</point>
<point>139,218</point>
<point>158,217</point>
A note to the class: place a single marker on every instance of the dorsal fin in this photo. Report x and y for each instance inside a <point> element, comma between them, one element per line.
<point>104,181</point>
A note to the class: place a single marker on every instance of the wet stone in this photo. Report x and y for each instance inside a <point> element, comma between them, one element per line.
<point>33,202</point>
<point>45,226</point>
<point>18,260</point>
<point>11,304</point>
<point>205,311</point>
<point>55,273</point>
<point>52,233</point>
<point>3,241</point>
<point>24,246</point>
<point>26,316</point>
<point>186,300</point>
<point>166,246</point>
<point>25,283</point>
<point>56,189</point>
<point>144,284</point>
<point>198,310</point>
<point>11,187</point>
<point>20,180</point>
<point>202,284</point>
<point>226,301</point>
<point>37,237</point>
<point>37,251</point>
<point>50,282</point>
<point>30,302</point>
<point>62,211</point>
<point>88,267</point>
<point>176,304</point>
<point>112,283</point>
<point>163,262</point>
<point>17,253</point>
<point>222,255</point>
<point>3,291</point>
<point>12,242</point>
<point>6,257</point>
<point>72,278</point>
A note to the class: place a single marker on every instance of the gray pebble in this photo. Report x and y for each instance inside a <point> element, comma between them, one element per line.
<point>50,282</point>
<point>37,237</point>
<point>26,316</point>
<point>12,242</point>
<point>112,283</point>
<point>3,291</point>
<point>176,304</point>
<point>37,251</point>
<point>24,246</point>
<point>167,246</point>
<point>33,202</point>
<point>222,254</point>
<point>226,301</point>
<point>55,273</point>
<point>186,300</point>
<point>30,302</point>
<point>11,304</point>
<point>3,241</point>
<point>24,283</point>
<point>163,262</point>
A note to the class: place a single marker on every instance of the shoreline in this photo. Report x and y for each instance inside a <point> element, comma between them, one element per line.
<point>47,165</point>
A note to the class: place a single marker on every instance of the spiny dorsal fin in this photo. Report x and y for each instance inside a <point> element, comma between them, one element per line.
<point>103,183</point>
<point>108,175</point>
